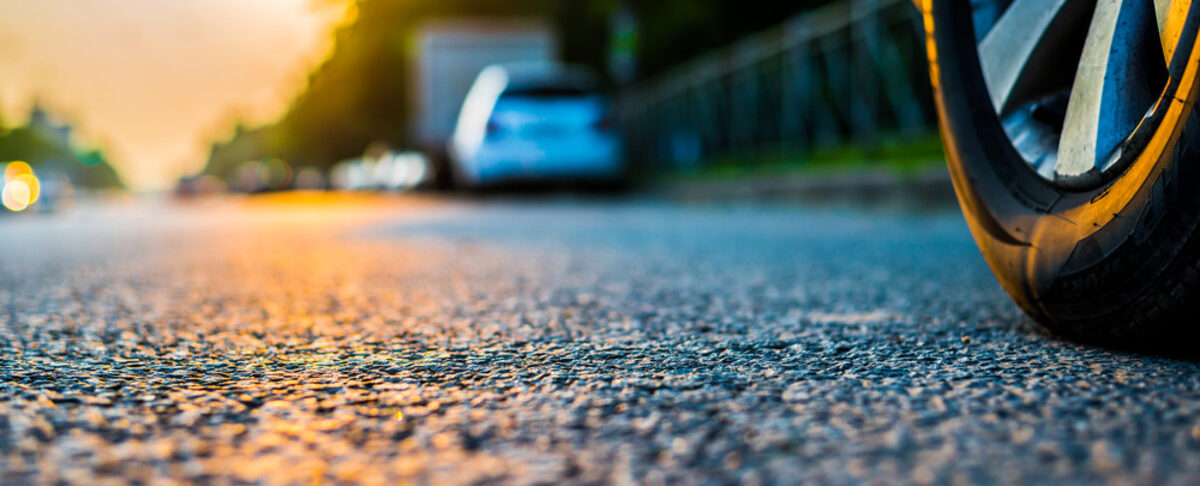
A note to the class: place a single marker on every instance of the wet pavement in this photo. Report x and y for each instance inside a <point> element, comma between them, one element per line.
<point>302,339</point>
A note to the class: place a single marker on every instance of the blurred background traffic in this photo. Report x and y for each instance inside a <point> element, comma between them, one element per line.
<point>189,99</point>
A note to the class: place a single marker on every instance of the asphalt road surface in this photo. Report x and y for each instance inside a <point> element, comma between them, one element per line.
<point>308,339</point>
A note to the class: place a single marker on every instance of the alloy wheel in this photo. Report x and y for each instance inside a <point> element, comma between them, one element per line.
<point>1076,83</point>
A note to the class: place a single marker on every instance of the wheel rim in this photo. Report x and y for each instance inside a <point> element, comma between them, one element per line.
<point>1076,83</point>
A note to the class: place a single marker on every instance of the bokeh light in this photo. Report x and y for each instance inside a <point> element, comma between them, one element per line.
<point>21,186</point>
<point>31,182</point>
<point>275,173</point>
<point>15,195</point>
<point>16,168</point>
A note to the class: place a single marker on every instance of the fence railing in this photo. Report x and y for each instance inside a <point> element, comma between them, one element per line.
<point>851,71</point>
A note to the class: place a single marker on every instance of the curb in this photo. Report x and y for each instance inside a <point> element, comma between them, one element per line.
<point>931,187</point>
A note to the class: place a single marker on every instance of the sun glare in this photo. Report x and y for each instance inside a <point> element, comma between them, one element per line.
<point>154,83</point>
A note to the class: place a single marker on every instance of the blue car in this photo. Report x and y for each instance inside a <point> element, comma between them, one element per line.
<point>535,122</point>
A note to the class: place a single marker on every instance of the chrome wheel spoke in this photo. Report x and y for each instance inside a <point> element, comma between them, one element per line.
<point>1114,85</point>
<point>1170,15</point>
<point>1016,54</point>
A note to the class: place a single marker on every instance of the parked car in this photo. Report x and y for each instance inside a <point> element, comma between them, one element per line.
<point>450,54</point>
<point>535,122</point>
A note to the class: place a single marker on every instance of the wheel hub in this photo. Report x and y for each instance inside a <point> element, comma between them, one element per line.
<point>1075,81</point>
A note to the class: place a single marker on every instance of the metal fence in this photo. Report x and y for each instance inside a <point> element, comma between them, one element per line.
<point>851,71</point>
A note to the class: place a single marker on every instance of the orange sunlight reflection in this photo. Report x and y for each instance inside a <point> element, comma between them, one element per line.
<point>155,82</point>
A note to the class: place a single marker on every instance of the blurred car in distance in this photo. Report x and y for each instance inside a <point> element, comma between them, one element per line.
<point>535,123</point>
<point>451,53</point>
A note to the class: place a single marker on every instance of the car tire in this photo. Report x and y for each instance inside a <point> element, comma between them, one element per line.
<point>1118,262</point>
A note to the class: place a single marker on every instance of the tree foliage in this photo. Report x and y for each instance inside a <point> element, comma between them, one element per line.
<point>47,153</point>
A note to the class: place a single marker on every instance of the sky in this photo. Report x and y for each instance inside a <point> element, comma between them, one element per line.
<point>154,82</point>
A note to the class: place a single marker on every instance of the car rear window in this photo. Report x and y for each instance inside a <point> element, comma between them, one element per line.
<point>546,92</point>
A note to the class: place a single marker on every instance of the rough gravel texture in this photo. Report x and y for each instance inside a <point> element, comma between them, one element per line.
<point>552,341</point>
